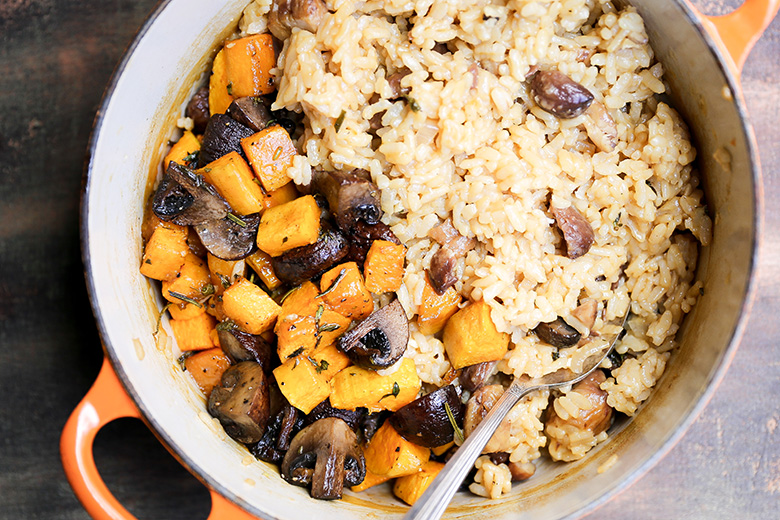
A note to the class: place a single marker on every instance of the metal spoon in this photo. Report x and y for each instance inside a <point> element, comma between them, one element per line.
<point>431,505</point>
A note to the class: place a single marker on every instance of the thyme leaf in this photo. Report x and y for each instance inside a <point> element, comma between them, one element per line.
<point>394,393</point>
<point>455,427</point>
<point>329,327</point>
<point>227,324</point>
<point>340,121</point>
<point>180,296</point>
<point>236,219</point>
<point>159,318</point>
<point>330,289</point>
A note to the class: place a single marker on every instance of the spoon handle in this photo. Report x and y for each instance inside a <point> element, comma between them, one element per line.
<point>432,504</point>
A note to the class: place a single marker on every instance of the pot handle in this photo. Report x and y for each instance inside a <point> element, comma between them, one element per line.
<point>739,30</point>
<point>105,402</point>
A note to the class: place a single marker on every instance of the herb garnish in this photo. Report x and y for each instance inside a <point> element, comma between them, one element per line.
<point>455,427</point>
<point>236,219</point>
<point>191,157</point>
<point>277,152</point>
<point>413,104</point>
<point>288,293</point>
<point>227,324</point>
<point>183,358</point>
<point>322,366</point>
<point>224,280</point>
<point>184,298</point>
<point>295,352</point>
<point>329,327</point>
<point>159,318</point>
<point>340,277</point>
<point>340,121</point>
<point>230,88</point>
<point>208,290</point>
<point>395,392</point>
<point>617,224</point>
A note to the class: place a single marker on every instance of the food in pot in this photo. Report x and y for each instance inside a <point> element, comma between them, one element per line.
<point>380,212</point>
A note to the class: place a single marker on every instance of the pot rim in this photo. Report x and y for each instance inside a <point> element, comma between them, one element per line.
<point>610,491</point>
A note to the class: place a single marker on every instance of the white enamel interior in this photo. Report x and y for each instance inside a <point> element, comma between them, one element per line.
<point>133,129</point>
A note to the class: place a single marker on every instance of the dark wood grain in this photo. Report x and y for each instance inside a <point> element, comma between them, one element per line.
<point>56,56</point>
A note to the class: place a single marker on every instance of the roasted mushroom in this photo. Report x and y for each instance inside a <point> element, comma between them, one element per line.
<point>185,198</point>
<point>519,471</point>
<point>394,80</point>
<point>278,435</point>
<point>241,346</point>
<point>325,409</point>
<point>379,340</point>
<point>325,454</point>
<point>362,235</point>
<point>560,95</point>
<point>558,333</point>
<point>307,262</point>
<point>477,407</point>
<point>351,197</point>
<point>251,112</point>
<point>198,109</point>
<point>475,376</point>
<point>598,417</point>
<point>586,312</point>
<point>577,231</point>
<point>231,238</point>
<point>600,127</point>
<point>241,402</point>
<point>288,14</point>
<point>223,135</point>
<point>428,420</point>
<point>442,271</point>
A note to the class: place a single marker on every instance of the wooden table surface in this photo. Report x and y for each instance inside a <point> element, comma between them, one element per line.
<point>56,57</point>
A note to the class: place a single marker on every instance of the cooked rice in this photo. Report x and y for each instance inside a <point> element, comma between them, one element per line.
<point>480,152</point>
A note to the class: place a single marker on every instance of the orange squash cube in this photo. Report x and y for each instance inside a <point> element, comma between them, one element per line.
<point>390,455</point>
<point>249,307</point>
<point>270,152</point>
<point>344,290</point>
<point>185,311</point>
<point>206,368</point>
<point>164,253</point>
<point>248,64</point>
<point>286,193</point>
<point>195,333</point>
<point>234,180</point>
<point>303,382</point>
<point>384,266</point>
<point>370,481</point>
<point>354,387</point>
<point>436,309</point>
<point>471,337</point>
<point>186,147</point>
<point>220,96</point>
<point>411,487</point>
<point>191,282</point>
<point>290,225</point>
<point>295,335</point>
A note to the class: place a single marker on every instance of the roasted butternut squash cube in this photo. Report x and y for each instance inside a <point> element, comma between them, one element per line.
<point>471,337</point>
<point>206,368</point>
<point>303,382</point>
<point>249,307</point>
<point>384,266</point>
<point>370,481</point>
<point>195,333</point>
<point>436,309</point>
<point>165,252</point>
<point>331,325</point>
<point>302,300</point>
<point>345,291</point>
<point>224,272</point>
<point>330,360</point>
<point>248,62</point>
<point>270,152</point>
<point>261,264</point>
<point>295,335</point>
<point>411,487</point>
<point>184,151</point>
<point>354,387</point>
<point>220,89</point>
<point>441,450</point>
<point>290,225</point>
<point>390,455</point>
<point>185,311</point>
<point>278,197</point>
<point>192,281</point>
<point>234,180</point>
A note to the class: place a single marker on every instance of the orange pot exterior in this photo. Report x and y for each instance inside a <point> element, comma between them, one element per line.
<point>107,401</point>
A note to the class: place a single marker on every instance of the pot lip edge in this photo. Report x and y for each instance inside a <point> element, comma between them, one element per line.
<point>666,445</point>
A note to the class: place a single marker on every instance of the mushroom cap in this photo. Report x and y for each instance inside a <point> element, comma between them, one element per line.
<point>379,340</point>
<point>227,239</point>
<point>325,454</point>
<point>241,402</point>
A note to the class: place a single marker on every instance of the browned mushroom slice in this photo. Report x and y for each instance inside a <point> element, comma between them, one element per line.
<point>558,333</point>
<point>477,407</point>
<point>577,231</point>
<point>223,135</point>
<point>447,236</point>
<point>586,312</point>
<point>325,454</point>
<point>598,417</point>
<point>394,80</point>
<point>560,95</point>
<point>287,14</point>
<point>351,197</point>
<point>278,435</point>
<point>428,420</point>
<point>198,109</point>
<point>241,402</point>
<point>251,112</point>
<point>363,235</point>
<point>325,409</point>
<point>185,198</point>
<point>521,471</point>
<point>475,376</point>
<point>241,346</point>
<point>379,340</point>
<point>600,127</point>
<point>442,270</point>
<point>306,262</point>
<point>231,238</point>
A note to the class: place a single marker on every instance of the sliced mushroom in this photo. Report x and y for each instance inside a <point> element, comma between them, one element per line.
<point>370,423</point>
<point>586,312</point>
<point>558,333</point>
<point>379,340</point>
<point>560,95</point>
<point>442,271</point>
<point>185,198</point>
<point>223,135</point>
<point>241,402</point>
<point>521,471</point>
<point>426,421</point>
<point>600,127</point>
<point>198,109</point>
<point>307,262</point>
<point>227,238</point>
<point>577,231</point>
<point>598,417</point>
<point>394,80</point>
<point>477,407</point>
<point>325,409</point>
<point>251,112</point>
<point>241,346</point>
<point>475,376</point>
<point>363,235</point>
<point>447,236</point>
<point>278,435</point>
<point>325,454</point>
<point>351,197</point>
<point>303,14</point>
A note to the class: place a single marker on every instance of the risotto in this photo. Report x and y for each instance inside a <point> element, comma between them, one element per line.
<point>527,161</point>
